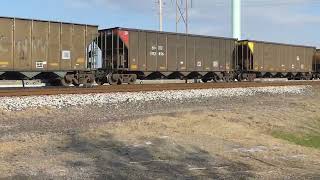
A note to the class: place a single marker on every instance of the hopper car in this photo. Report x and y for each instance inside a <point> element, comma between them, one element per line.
<point>68,53</point>
<point>55,52</point>
<point>258,59</point>
<point>130,54</point>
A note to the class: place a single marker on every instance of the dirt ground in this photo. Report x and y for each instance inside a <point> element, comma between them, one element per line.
<point>260,137</point>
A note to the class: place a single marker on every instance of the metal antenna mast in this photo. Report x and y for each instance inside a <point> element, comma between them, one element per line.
<point>182,13</point>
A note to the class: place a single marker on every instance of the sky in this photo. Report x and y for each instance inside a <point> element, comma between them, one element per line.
<point>285,21</point>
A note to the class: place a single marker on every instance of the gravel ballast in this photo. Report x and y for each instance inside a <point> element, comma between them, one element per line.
<point>61,101</point>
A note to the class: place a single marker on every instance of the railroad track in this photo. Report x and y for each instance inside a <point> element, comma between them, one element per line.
<point>10,92</point>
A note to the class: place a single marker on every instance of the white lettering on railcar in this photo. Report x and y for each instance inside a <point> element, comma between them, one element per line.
<point>157,51</point>
<point>161,54</point>
<point>153,53</point>
<point>154,48</point>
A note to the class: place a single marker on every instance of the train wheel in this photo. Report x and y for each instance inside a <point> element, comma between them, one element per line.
<point>100,82</point>
<point>215,79</point>
<point>239,78</point>
<point>231,79</point>
<point>132,79</point>
<point>64,82</point>
<point>225,79</point>
<point>88,82</point>
<point>76,84</point>
<point>119,81</point>
<point>112,80</point>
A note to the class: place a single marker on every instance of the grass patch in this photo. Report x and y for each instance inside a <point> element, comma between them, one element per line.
<point>306,140</point>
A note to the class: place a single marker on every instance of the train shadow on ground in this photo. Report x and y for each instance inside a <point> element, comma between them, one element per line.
<point>114,159</point>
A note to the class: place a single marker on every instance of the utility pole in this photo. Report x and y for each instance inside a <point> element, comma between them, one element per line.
<point>160,15</point>
<point>236,19</point>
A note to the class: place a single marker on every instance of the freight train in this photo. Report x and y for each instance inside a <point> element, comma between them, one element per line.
<point>67,53</point>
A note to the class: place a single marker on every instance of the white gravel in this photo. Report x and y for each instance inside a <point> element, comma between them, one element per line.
<point>61,101</point>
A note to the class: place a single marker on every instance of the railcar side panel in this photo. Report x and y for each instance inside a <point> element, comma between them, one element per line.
<point>216,55</point>
<point>206,54</point>
<point>161,52</point>
<point>198,54</point>
<point>269,57</point>
<point>6,44</point>
<point>172,53</point>
<point>22,45</point>
<point>152,51</point>
<point>143,54</point>
<point>278,62</point>
<point>191,42</point>
<point>228,55</point>
<point>39,46</point>
<point>181,52</point>
<point>222,52</point>
<point>134,51</point>
<point>285,65</point>
<point>316,61</point>
<point>79,47</point>
<point>54,52</point>
<point>309,64</point>
<point>259,58</point>
<point>288,56</point>
<point>66,47</point>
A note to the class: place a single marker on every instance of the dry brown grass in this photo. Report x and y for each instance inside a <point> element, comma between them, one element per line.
<point>231,142</point>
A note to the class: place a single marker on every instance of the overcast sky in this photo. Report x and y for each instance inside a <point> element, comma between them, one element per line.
<point>288,21</point>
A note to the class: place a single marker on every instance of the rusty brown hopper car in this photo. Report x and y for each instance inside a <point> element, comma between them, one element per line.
<point>153,54</point>
<point>33,48</point>
<point>267,59</point>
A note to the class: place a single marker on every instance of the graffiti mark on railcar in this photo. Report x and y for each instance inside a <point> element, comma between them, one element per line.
<point>22,49</point>
<point>4,44</point>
